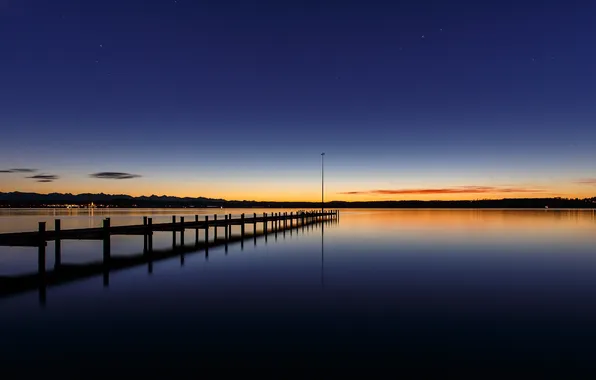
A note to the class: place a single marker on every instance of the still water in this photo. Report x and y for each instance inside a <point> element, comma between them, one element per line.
<point>430,289</point>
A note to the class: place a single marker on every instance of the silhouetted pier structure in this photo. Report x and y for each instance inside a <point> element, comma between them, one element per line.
<point>62,273</point>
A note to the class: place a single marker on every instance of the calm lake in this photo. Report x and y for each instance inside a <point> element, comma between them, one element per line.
<point>426,289</point>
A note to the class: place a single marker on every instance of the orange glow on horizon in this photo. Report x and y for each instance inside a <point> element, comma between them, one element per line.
<point>298,191</point>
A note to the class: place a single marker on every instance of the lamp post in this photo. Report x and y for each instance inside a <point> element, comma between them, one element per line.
<point>322,182</point>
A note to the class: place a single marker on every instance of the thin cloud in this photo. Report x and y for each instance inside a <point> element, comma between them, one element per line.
<point>18,170</point>
<point>23,170</point>
<point>586,181</point>
<point>45,180</point>
<point>114,175</point>
<point>44,177</point>
<point>446,190</point>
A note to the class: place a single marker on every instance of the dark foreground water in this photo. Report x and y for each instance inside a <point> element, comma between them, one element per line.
<point>428,290</point>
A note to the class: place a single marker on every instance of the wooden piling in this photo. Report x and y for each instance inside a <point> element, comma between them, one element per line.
<point>57,245</point>
<point>41,263</point>
<point>173,231</point>
<point>182,231</point>
<point>182,240</point>
<point>242,226</point>
<point>254,228</point>
<point>150,234</point>
<point>265,225</point>
<point>145,235</point>
<point>206,233</point>
<point>106,241</point>
<point>215,227</point>
<point>230,225</point>
<point>41,252</point>
<point>196,231</point>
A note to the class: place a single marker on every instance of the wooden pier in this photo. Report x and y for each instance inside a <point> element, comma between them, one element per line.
<point>62,273</point>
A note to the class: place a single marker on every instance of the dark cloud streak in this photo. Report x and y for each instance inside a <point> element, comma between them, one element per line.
<point>23,170</point>
<point>18,170</point>
<point>114,175</point>
<point>45,177</point>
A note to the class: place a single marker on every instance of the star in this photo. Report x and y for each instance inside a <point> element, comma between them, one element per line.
<point>423,36</point>
<point>100,45</point>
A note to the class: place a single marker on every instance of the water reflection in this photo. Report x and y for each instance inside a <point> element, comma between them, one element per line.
<point>62,273</point>
<point>407,288</point>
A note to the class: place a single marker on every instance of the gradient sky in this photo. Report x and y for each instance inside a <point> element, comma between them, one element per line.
<point>237,99</point>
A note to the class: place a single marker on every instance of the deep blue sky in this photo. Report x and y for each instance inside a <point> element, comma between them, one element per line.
<point>239,98</point>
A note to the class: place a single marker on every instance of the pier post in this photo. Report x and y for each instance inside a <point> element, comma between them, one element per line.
<point>292,219</point>
<point>242,226</point>
<point>106,241</point>
<point>206,233</point>
<point>215,228</point>
<point>106,252</point>
<point>173,231</point>
<point>230,225</point>
<point>254,228</point>
<point>196,231</point>
<point>226,232</point>
<point>182,231</point>
<point>182,241</point>
<point>57,245</point>
<point>265,226</point>
<point>41,263</point>
<point>145,234</point>
<point>150,244</point>
<point>150,234</point>
<point>41,253</point>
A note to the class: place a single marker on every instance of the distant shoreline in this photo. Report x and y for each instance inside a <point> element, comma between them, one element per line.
<point>58,200</point>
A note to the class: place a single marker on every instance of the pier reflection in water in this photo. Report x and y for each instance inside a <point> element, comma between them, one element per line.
<point>425,289</point>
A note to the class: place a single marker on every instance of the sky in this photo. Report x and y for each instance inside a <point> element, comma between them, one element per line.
<point>238,99</point>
